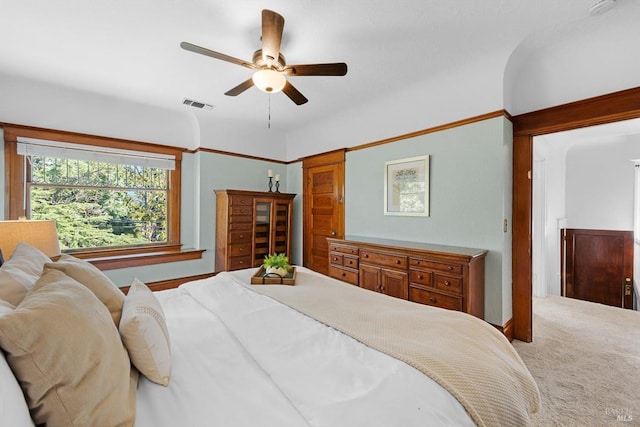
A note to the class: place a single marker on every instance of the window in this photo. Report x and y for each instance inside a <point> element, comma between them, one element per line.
<point>104,194</point>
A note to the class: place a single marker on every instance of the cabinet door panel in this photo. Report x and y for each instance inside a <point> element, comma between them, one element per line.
<point>370,277</point>
<point>395,283</point>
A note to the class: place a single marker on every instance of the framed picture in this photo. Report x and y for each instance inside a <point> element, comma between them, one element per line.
<point>406,186</point>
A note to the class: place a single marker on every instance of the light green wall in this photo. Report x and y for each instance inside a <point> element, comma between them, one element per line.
<point>294,185</point>
<point>470,198</point>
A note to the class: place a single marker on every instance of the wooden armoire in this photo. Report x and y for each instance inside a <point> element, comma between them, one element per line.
<point>251,225</point>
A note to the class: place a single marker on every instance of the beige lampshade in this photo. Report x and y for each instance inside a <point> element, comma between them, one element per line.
<point>39,234</point>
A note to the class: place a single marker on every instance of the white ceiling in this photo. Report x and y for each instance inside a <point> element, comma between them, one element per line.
<point>129,49</point>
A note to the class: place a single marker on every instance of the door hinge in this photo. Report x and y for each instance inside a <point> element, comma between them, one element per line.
<point>339,199</point>
<point>529,174</point>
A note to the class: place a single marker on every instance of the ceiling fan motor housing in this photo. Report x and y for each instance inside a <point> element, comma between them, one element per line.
<point>259,61</point>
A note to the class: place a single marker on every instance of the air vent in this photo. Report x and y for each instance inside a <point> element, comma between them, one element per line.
<point>197,104</point>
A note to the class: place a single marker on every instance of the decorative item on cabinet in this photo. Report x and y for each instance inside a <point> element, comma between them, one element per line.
<point>270,176</point>
<point>442,276</point>
<point>251,225</point>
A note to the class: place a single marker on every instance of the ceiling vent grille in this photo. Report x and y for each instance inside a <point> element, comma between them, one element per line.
<point>197,104</point>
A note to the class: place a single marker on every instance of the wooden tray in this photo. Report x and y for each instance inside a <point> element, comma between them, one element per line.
<point>273,279</point>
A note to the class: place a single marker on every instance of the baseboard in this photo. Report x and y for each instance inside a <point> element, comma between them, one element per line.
<point>171,283</point>
<point>507,329</point>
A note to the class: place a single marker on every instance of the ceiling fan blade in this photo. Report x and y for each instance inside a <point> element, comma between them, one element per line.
<point>207,52</point>
<point>240,88</point>
<point>272,27</point>
<point>294,94</point>
<point>335,69</point>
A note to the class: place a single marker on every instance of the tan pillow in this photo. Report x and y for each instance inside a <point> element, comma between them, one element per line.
<point>144,333</point>
<point>19,274</point>
<point>94,279</point>
<point>65,351</point>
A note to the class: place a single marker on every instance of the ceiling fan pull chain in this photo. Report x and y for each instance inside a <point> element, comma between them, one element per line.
<point>269,123</point>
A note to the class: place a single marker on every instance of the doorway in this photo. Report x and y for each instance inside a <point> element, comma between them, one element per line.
<point>609,108</point>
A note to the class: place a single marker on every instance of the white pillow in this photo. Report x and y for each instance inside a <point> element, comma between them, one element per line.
<point>13,406</point>
<point>18,274</point>
<point>144,333</point>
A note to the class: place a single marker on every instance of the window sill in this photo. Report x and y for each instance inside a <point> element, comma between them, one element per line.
<point>112,262</point>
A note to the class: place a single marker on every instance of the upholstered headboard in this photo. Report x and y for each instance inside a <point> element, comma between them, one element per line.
<point>39,234</point>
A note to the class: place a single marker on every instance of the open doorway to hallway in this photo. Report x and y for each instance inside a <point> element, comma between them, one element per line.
<point>583,179</point>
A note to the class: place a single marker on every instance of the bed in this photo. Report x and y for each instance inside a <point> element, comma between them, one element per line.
<point>320,353</point>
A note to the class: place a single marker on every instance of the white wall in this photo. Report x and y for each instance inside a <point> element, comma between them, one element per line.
<point>470,196</point>
<point>600,184</point>
<point>554,154</point>
<point>587,58</point>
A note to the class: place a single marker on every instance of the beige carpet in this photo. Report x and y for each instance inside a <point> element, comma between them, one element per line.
<point>585,358</point>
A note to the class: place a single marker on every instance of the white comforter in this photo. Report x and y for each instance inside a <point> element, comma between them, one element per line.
<point>242,359</point>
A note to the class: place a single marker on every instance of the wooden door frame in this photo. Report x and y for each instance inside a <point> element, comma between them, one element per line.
<point>604,109</point>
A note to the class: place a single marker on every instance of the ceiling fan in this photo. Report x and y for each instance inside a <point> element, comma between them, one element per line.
<point>270,68</point>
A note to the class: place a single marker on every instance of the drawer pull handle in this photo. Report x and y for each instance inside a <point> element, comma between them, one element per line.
<point>420,276</point>
<point>366,255</point>
<point>397,261</point>
<point>432,299</point>
<point>242,236</point>
<point>241,262</point>
<point>241,249</point>
<point>447,283</point>
<point>335,259</point>
<point>344,274</point>
<point>449,268</point>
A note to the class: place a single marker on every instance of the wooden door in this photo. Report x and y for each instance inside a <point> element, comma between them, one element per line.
<point>323,207</point>
<point>597,266</point>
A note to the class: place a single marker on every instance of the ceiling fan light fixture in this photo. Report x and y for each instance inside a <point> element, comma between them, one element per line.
<point>269,81</point>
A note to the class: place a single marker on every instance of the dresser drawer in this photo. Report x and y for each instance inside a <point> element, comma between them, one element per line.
<point>239,262</point>
<point>240,249</point>
<point>241,210</point>
<point>351,262</point>
<point>343,249</point>
<point>236,226</point>
<point>240,219</point>
<point>240,236</point>
<point>448,283</point>
<point>383,259</point>
<point>337,259</point>
<point>422,277</point>
<point>242,201</point>
<point>435,299</point>
<point>344,275</point>
<point>435,265</point>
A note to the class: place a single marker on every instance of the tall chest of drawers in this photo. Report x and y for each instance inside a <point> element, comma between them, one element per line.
<point>442,276</point>
<point>250,225</point>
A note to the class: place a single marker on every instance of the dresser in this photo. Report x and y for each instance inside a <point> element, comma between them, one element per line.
<point>251,225</point>
<point>438,275</point>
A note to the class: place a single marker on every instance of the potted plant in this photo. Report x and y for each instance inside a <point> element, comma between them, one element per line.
<point>277,263</point>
